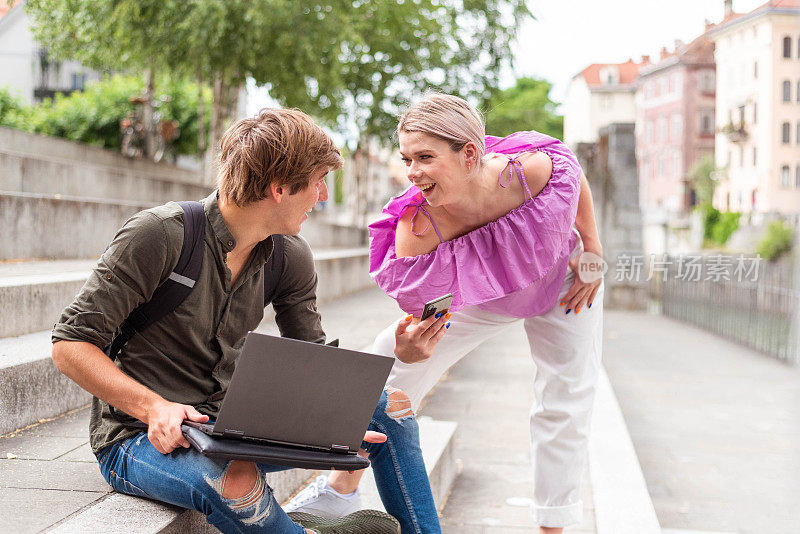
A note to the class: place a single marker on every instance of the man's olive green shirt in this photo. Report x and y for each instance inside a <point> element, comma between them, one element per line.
<point>188,356</point>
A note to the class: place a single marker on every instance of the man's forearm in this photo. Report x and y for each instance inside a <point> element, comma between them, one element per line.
<point>92,370</point>
<point>585,221</point>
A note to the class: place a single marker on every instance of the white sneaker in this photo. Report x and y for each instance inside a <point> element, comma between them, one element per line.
<point>319,499</point>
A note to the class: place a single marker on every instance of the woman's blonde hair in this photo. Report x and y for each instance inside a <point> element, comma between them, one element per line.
<point>447,117</point>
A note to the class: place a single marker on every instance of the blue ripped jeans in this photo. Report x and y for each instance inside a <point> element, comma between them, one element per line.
<point>190,480</point>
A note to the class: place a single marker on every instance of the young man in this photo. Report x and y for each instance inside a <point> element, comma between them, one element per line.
<point>271,174</point>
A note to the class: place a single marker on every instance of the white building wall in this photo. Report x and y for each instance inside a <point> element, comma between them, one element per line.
<point>785,200</point>
<point>608,107</point>
<point>738,50</point>
<point>20,68</point>
<point>577,116</point>
<point>588,109</point>
<point>16,55</point>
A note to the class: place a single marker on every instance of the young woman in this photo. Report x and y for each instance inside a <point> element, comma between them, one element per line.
<point>498,223</point>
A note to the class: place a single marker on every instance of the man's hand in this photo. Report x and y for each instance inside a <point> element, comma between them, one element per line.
<point>374,437</point>
<point>164,420</point>
<point>415,340</point>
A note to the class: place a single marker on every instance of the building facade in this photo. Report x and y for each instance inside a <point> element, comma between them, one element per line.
<point>601,94</point>
<point>758,109</point>
<point>26,69</point>
<point>675,101</point>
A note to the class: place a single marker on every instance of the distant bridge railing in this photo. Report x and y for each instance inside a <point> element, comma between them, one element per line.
<point>742,298</point>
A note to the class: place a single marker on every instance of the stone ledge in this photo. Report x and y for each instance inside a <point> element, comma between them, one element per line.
<point>35,389</point>
<point>621,499</point>
<point>63,226</point>
<point>37,292</point>
<point>123,514</point>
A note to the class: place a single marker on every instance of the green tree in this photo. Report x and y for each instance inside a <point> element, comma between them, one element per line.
<point>526,106</point>
<point>350,62</point>
<point>700,178</point>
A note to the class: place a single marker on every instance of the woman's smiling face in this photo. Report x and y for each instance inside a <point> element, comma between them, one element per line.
<point>433,166</point>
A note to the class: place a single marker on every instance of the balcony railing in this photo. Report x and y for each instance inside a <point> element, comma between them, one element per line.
<point>736,133</point>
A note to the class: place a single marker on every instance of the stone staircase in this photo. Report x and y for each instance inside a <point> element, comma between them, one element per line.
<point>63,202</point>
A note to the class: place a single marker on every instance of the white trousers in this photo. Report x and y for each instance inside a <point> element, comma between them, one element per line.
<point>566,350</point>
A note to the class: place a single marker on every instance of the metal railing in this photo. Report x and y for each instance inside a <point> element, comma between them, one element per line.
<point>758,312</point>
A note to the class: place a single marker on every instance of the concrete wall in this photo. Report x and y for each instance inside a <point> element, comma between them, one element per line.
<point>61,227</point>
<point>50,227</point>
<point>61,199</point>
<point>50,166</point>
<point>610,165</point>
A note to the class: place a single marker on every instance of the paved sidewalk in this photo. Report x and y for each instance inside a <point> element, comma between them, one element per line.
<point>489,395</point>
<point>716,426</point>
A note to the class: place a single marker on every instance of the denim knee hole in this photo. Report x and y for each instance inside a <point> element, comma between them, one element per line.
<point>398,405</point>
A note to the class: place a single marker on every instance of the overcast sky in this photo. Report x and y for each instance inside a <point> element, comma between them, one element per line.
<point>568,35</point>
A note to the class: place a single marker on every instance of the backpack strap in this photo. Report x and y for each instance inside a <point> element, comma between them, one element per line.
<point>170,293</point>
<point>273,269</point>
<point>174,289</point>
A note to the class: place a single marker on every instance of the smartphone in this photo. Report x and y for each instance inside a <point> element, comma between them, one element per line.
<point>441,304</point>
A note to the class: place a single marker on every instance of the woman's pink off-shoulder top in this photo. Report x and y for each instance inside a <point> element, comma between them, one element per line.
<point>513,266</point>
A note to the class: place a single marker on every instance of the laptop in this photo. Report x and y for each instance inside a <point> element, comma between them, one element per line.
<point>295,404</point>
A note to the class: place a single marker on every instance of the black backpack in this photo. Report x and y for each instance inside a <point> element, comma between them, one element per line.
<point>180,283</point>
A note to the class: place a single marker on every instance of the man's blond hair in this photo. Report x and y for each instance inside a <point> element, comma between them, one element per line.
<point>281,146</point>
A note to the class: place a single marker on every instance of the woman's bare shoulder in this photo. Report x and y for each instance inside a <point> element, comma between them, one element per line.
<point>538,168</point>
<point>406,243</point>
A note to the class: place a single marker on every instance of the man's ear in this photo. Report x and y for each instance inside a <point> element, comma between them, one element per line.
<point>277,191</point>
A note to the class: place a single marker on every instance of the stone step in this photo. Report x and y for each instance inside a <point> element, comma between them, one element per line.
<point>33,388</point>
<point>34,293</point>
<point>47,165</point>
<point>622,502</point>
<point>123,514</point>
<point>60,226</point>
<point>37,292</point>
<point>440,462</point>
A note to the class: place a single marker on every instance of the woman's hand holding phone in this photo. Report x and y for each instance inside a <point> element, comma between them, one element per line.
<point>415,339</point>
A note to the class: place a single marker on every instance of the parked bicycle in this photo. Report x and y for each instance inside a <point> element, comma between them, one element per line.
<point>133,129</point>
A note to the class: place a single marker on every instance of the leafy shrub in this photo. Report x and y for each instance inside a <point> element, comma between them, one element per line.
<point>776,241</point>
<point>93,116</point>
<point>12,111</point>
<point>727,223</point>
<point>718,226</point>
<point>710,218</point>
<point>182,107</point>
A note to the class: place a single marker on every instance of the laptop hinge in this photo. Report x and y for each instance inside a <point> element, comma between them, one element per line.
<point>340,448</point>
<point>232,433</point>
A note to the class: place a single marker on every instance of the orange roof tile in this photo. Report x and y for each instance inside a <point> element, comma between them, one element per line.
<point>628,72</point>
